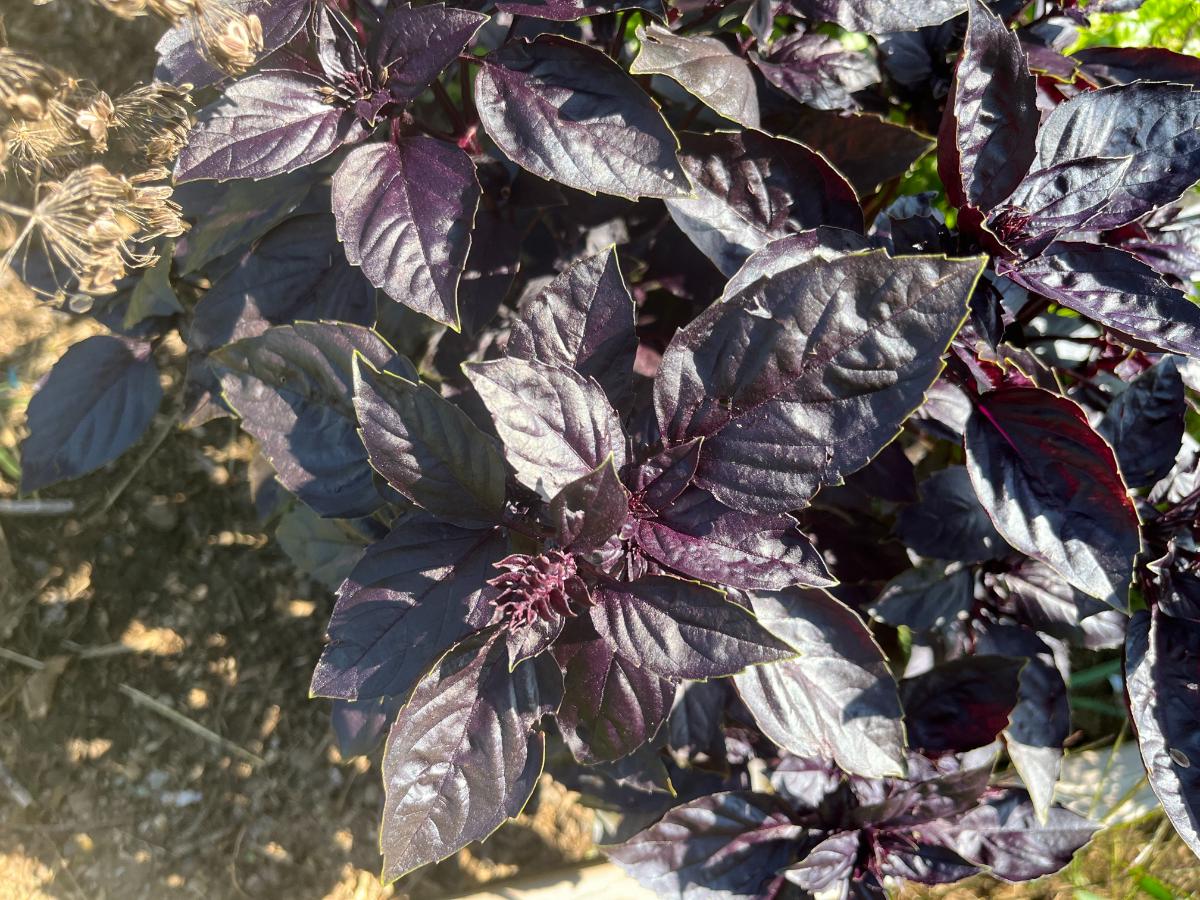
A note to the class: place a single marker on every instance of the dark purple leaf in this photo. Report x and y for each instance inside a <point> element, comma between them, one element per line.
<point>266,124</point>
<point>570,10</point>
<point>292,387</point>
<point>556,424</point>
<point>852,143</point>
<point>583,319</point>
<point>912,857</point>
<point>1160,676</point>
<point>805,783</point>
<point>427,448</point>
<point>948,522</point>
<point>412,596</point>
<point>927,597</point>
<point>751,188</point>
<point>1144,424</point>
<point>681,629</point>
<point>663,477</point>
<point>464,754</point>
<point>694,727</point>
<point>1053,489</point>
<point>961,704</point>
<point>705,67</point>
<point>844,349</point>
<point>566,112</point>
<point>359,725</point>
<point>98,399</point>
<point>817,70</point>
<point>828,864</point>
<point>836,700</point>
<point>336,45</point>
<point>879,16</point>
<point>590,510</point>
<point>405,214</point>
<point>699,537</point>
<point>723,846</point>
<point>488,273</point>
<point>414,45</point>
<point>1125,65</point>
<point>1039,597</point>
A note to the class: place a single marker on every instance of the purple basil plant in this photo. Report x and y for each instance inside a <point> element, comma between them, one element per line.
<point>654,428</point>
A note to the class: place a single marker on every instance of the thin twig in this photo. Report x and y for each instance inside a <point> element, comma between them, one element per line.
<point>21,659</point>
<point>36,507</point>
<point>23,798</point>
<point>185,723</point>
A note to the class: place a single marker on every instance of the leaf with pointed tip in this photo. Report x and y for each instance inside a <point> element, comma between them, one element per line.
<point>291,386</point>
<point>335,43</point>
<point>751,188</point>
<point>961,704</point>
<point>827,865</point>
<point>590,510</point>
<point>1125,65</point>
<point>568,113</point>
<point>427,448</point>
<point>414,45</point>
<point>700,537</point>
<point>817,70</point>
<point>879,16</point>
<point>1144,424</point>
<point>695,726</point>
<point>927,597</point>
<point>611,706</point>
<point>463,755</point>
<point>1052,487</point>
<point>359,725</point>
<point>1160,677</point>
<point>948,522</point>
<point>703,66</point>
<point>724,846</point>
<point>851,142</point>
<point>988,132</point>
<point>571,10</point>
<point>583,319</point>
<point>98,399</point>
<point>1039,597</point>
<point>411,597</point>
<point>663,477</point>
<point>266,124</point>
<point>836,700</point>
<point>681,629</point>
<point>405,214</point>
<point>324,549</point>
<point>556,425</point>
<point>844,349</point>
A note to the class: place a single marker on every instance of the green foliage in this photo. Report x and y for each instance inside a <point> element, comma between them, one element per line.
<point>1174,24</point>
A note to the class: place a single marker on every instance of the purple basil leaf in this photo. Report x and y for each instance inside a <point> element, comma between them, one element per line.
<point>1005,835</point>
<point>879,16</point>
<point>464,754</point>
<point>751,188</point>
<point>988,133</point>
<point>852,144</point>
<point>405,214</point>
<point>488,273</point>
<point>817,70</point>
<point>694,727</point>
<point>298,271</point>
<point>583,319</point>
<point>948,522</point>
<point>326,550</point>
<point>414,45</point>
<point>836,699</point>
<point>427,448</point>
<point>611,706</point>
<point>812,403</point>
<point>568,113</point>
<point>1039,597</point>
<point>590,510</point>
<point>570,10</point>
<point>927,597</point>
<point>663,477</point>
<point>1160,676</point>
<point>264,125</point>
<point>98,399</point>
<point>359,725</point>
<point>912,857</point>
<point>720,847</point>
<point>336,44</point>
<point>700,537</point>
<point>703,66</point>
<point>986,687</point>
<point>805,783</point>
<point>681,629</point>
<point>1144,424</point>
<point>1116,289</point>
<point>1125,65</point>
<point>828,864</point>
<point>292,387</point>
<point>412,596</point>
<point>556,424</point>
<point>1052,487</point>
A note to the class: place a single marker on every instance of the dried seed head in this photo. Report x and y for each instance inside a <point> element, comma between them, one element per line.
<point>150,122</point>
<point>24,79</point>
<point>95,119</point>
<point>171,10</point>
<point>237,41</point>
<point>41,146</point>
<point>124,9</point>
<point>536,587</point>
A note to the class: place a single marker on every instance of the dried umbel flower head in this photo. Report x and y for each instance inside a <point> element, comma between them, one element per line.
<point>150,122</point>
<point>25,83</point>
<point>234,39</point>
<point>94,118</point>
<point>536,587</point>
<point>41,146</point>
<point>124,9</point>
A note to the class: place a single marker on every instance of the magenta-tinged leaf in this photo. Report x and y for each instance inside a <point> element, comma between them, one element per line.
<point>405,214</point>
<point>411,597</point>
<point>568,113</point>
<point>836,699</point>
<point>1052,487</point>
<point>699,537</point>
<point>879,16</point>
<point>817,70</point>
<point>704,67</point>
<point>414,45</point>
<point>98,399</point>
<point>427,448</point>
<point>264,125</point>
<point>570,10</point>
<point>1160,677</point>
<point>590,510</point>
<point>1144,424</point>
<point>751,188</point>
<point>583,319</point>
<point>844,348</point>
<point>463,755</point>
<point>961,704</point>
<point>681,629</point>
<point>724,846</point>
<point>556,425</point>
